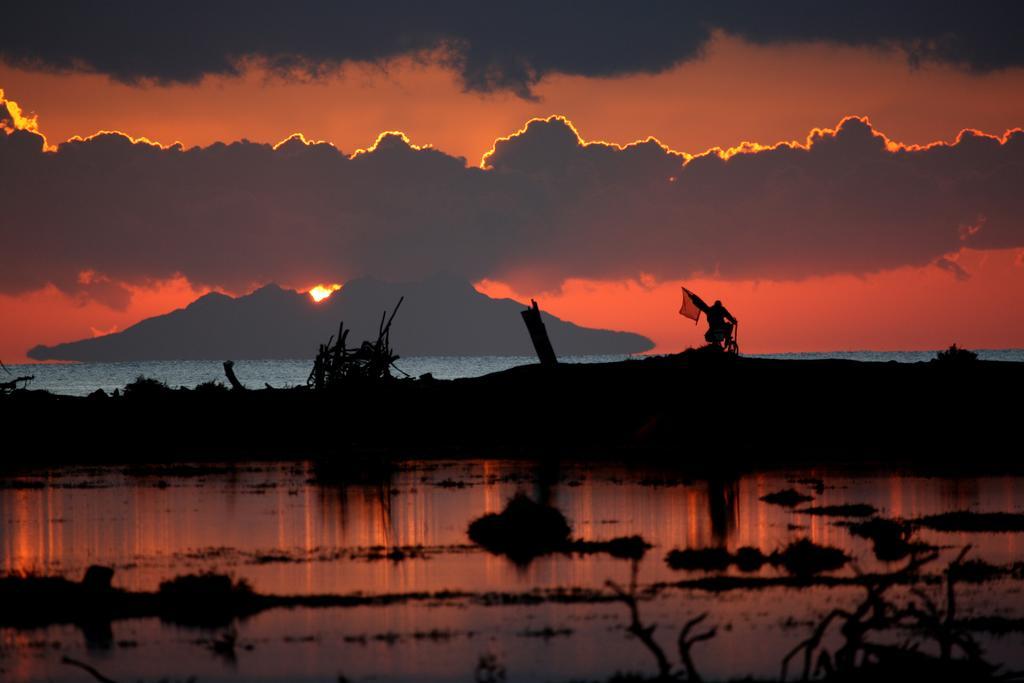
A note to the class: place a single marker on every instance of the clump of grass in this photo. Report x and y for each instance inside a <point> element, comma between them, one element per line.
<point>787,498</point>
<point>966,520</point>
<point>749,559</point>
<point>142,387</point>
<point>623,547</point>
<point>890,538</point>
<point>211,387</point>
<point>206,599</point>
<point>980,571</point>
<point>706,559</point>
<point>522,531</point>
<point>27,592</point>
<point>800,558</point>
<point>207,586</point>
<point>806,558</point>
<point>526,529</point>
<point>954,354</point>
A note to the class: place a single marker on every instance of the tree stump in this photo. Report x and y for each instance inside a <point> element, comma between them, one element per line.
<point>539,335</point>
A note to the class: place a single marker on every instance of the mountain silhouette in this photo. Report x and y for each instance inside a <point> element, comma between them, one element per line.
<point>441,316</point>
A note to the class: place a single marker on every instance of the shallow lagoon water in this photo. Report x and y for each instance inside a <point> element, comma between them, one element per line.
<point>277,526</point>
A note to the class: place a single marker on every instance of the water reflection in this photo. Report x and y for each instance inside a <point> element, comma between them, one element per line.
<point>723,509</point>
<point>153,527</point>
<point>150,527</point>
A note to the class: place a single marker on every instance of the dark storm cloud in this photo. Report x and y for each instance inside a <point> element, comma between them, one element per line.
<point>491,45</point>
<point>546,209</point>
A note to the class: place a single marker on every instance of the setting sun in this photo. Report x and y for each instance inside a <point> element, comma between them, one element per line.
<point>321,292</point>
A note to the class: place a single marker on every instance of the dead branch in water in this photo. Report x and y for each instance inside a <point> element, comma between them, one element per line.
<point>88,669</point>
<point>860,655</point>
<point>686,642</point>
<point>646,633</point>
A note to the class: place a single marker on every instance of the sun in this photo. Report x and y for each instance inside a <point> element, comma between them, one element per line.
<point>321,292</point>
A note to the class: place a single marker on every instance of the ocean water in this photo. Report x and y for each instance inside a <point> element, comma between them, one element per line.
<point>79,379</point>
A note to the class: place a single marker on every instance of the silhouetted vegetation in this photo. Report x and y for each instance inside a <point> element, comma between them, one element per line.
<point>917,637</point>
<point>645,634</point>
<point>965,520</point>
<point>522,531</point>
<point>206,599</point>
<point>980,571</point>
<point>706,559</point>
<point>800,558</point>
<point>526,529</point>
<point>623,547</point>
<point>805,557</point>
<point>890,538</point>
<point>211,387</point>
<point>749,559</point>
<point>867,650</point>
<point>145,387</point>
<point>878,639</point>
<point>787,498</point>
<point>197,600</point>
<point>572,409</point>
<point>955,355</point>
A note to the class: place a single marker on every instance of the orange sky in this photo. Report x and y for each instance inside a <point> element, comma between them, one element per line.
<point>907,308</point>
<point>738,92</point>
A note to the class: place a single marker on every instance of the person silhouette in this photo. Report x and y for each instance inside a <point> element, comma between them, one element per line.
<point>720,323</point>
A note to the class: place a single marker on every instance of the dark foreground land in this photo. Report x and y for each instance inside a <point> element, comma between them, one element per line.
<point>702,409</point>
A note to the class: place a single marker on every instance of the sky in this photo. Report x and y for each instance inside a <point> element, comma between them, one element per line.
<point>840,176</point>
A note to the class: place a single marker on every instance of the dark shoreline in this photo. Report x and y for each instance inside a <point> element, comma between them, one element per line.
<point>703,411</point>
<point>215,600</point>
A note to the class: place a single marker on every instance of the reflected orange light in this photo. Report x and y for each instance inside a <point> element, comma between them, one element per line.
<point>299,137</point>
<point>20,121</point>
<point>485,162</point>
<point>321,292</point>
<point>384,135</point>
<point>30,123</point>
<point>747,146</point>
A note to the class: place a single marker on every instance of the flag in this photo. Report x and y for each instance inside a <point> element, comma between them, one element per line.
<point>692,306</point>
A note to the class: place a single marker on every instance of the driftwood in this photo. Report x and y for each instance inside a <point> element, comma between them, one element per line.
<point>539,335</point>
<point>337,364</point>
<point>229,371</point>
<point>7,388</point>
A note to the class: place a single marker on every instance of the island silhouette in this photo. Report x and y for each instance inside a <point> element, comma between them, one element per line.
<point>441,316</point>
